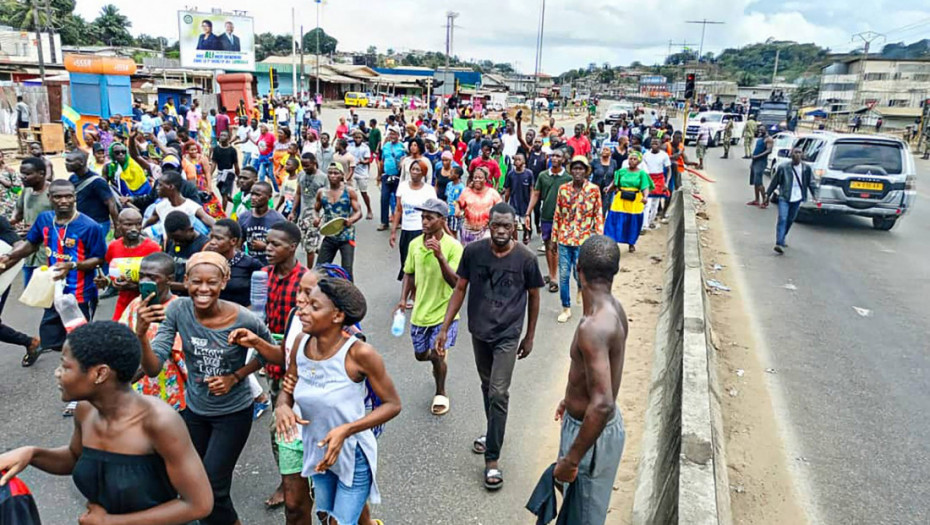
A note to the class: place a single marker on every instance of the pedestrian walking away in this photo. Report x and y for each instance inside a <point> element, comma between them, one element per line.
<point>795,183</point>
<point>429,278</point>
<point>502,281</point>
<point>591,421</point>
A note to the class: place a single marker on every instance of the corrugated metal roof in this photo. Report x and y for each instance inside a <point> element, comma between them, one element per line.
<point>888,111</point>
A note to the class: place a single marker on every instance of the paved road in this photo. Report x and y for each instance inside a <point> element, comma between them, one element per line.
<point>427,471</point>
<point>856,388</point>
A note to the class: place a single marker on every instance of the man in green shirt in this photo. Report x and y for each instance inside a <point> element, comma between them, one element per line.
<point>430,273</point>
<point>374,139</point>
<point>241,201</point>
<point>546,191</point>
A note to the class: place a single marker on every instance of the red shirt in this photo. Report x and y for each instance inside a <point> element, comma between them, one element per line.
<point>580,145</point>
<point>268,140</point>
<point>491,165</point>
<point>460,149</point>
<point>118,250</point>
<point>222,123</point>
<point>282,298</point>
<point>341,131</point>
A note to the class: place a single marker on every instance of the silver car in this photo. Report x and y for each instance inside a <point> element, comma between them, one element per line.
<point>866,175</point>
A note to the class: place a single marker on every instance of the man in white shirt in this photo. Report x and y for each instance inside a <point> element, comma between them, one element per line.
<point>247,138</point>
<point>282,114</point>
<point>656,163</point>
<point>360,151</point>
<point>510,141</point>
<point>703,139</point>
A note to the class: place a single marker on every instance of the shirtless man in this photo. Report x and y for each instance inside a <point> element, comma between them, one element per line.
<point>589,415</point>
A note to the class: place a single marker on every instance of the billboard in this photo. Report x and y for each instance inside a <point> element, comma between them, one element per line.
<point>216,41</point>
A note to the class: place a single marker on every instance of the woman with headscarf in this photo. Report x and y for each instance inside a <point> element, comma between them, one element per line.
<point>282,147</point>
<point>124,173</point>
<point>219,402</point>
<point>311,143</point>
<point>475,205</point>
<point>631,186</point>
<point>327,374</point>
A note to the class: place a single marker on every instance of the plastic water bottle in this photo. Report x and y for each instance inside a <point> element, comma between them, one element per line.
<point>259,292</point>
<point>69,311</point>
<point>400,320</point>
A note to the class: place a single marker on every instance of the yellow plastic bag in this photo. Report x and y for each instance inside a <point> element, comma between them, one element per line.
<point>40,292</point>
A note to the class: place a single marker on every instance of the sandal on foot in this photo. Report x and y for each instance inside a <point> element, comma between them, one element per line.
<point>493,479</point>
<point>32,353</point>
<point>440,405</point>
<point>480,445</point>
<point>553,287</point>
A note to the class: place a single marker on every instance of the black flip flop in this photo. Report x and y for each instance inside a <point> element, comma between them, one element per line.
<point>553,287</point>
<point>30,358</point>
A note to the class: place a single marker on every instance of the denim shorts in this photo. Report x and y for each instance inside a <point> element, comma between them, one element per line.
<point>424,337</point>
<point>344,503</point>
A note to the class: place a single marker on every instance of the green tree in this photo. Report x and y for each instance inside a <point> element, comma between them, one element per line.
<point>151,42</point>
<point>19,14</point>
<point>113,27</point>
<point>327,43</point>
<point>75,31</point>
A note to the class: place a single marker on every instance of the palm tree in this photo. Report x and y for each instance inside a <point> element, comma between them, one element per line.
<point>113,26</point>
<point>22,16</point>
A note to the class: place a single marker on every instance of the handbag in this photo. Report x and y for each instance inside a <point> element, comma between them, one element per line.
<point>628,195</point>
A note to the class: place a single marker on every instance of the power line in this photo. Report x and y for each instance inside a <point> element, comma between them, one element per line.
<point>867,37</point>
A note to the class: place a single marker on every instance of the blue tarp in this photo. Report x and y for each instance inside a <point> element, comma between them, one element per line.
<point>101,95</point>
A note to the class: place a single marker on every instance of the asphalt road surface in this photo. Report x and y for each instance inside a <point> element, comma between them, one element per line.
<point>427,472</point>
<point>855,387</point>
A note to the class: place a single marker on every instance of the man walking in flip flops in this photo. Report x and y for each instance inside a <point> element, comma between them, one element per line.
<point>502,279</point>
<point>429,275</point>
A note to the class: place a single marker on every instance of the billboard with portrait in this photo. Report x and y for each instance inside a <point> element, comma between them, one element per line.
<point>216,41</point>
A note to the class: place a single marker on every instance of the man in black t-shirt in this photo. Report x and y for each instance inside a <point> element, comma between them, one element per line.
<point>502,279</point>
<point>225,160</point>
<point>183,241</point>
<point>226,239</point>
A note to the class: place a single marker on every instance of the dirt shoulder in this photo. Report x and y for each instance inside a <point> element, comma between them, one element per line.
<point>762,489</point>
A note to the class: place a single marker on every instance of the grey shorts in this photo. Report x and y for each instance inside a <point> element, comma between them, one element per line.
<point>359,183</point>
<point>598,468</point>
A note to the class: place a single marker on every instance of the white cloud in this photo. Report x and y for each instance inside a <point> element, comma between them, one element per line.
<point>576,33</point>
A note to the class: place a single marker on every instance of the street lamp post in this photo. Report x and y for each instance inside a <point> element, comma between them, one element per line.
<point>539,41</point>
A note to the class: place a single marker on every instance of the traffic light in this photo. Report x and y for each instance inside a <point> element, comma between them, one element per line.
<point>689,86</point>
<point>273,75</point>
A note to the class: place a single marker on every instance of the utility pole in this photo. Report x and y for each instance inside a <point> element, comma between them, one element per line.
<point>450,30</point>
<point>318,2</point>
<point>51,31</point>
<point>703,23</point>
<point>775,71</point>
<point>301,45</point>
<point>35,22</point>
<point>867,38</point>
<point>539,42</point>
<point>294,52</point>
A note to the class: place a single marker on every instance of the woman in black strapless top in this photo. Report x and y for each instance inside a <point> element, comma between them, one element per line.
<point>130,455</point>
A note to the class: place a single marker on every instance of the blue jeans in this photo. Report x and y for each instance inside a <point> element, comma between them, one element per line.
<point>344,503</point>
<point>263,164</point>
<point>388,189</point>
<point>568,266</point>
<point>246,159</point>
<point>787,213</point>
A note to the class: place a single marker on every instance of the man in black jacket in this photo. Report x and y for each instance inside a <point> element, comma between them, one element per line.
<point>794,180</point>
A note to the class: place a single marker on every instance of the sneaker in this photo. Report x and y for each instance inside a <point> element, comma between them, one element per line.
<point>258,409</point>
<point>779,249</point>
<point>565,315</point>
<point>541,249</point>
<point>69,410</point>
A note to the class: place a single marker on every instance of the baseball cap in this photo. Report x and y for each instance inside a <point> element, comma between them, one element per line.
<point>581,159</point>
<point>434,206</point>
<point>395,129</point>
<point>339,167</point>
<point>431,138</point>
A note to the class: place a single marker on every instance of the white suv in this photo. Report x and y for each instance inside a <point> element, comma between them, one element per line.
<point>866,175</point>
<point>717,121</point>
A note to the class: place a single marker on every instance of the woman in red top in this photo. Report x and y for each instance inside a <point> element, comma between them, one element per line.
<point>197,168</point>
<point>342,130</point>
<point>475,205</point>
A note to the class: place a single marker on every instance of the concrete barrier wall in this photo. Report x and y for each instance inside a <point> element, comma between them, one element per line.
<point>656,496</point>
<point>682,474</point>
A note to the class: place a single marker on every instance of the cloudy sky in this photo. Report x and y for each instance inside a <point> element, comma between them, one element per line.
<point>603,31</point>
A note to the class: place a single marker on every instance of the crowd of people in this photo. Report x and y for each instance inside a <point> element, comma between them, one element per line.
<point>195,221</point>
